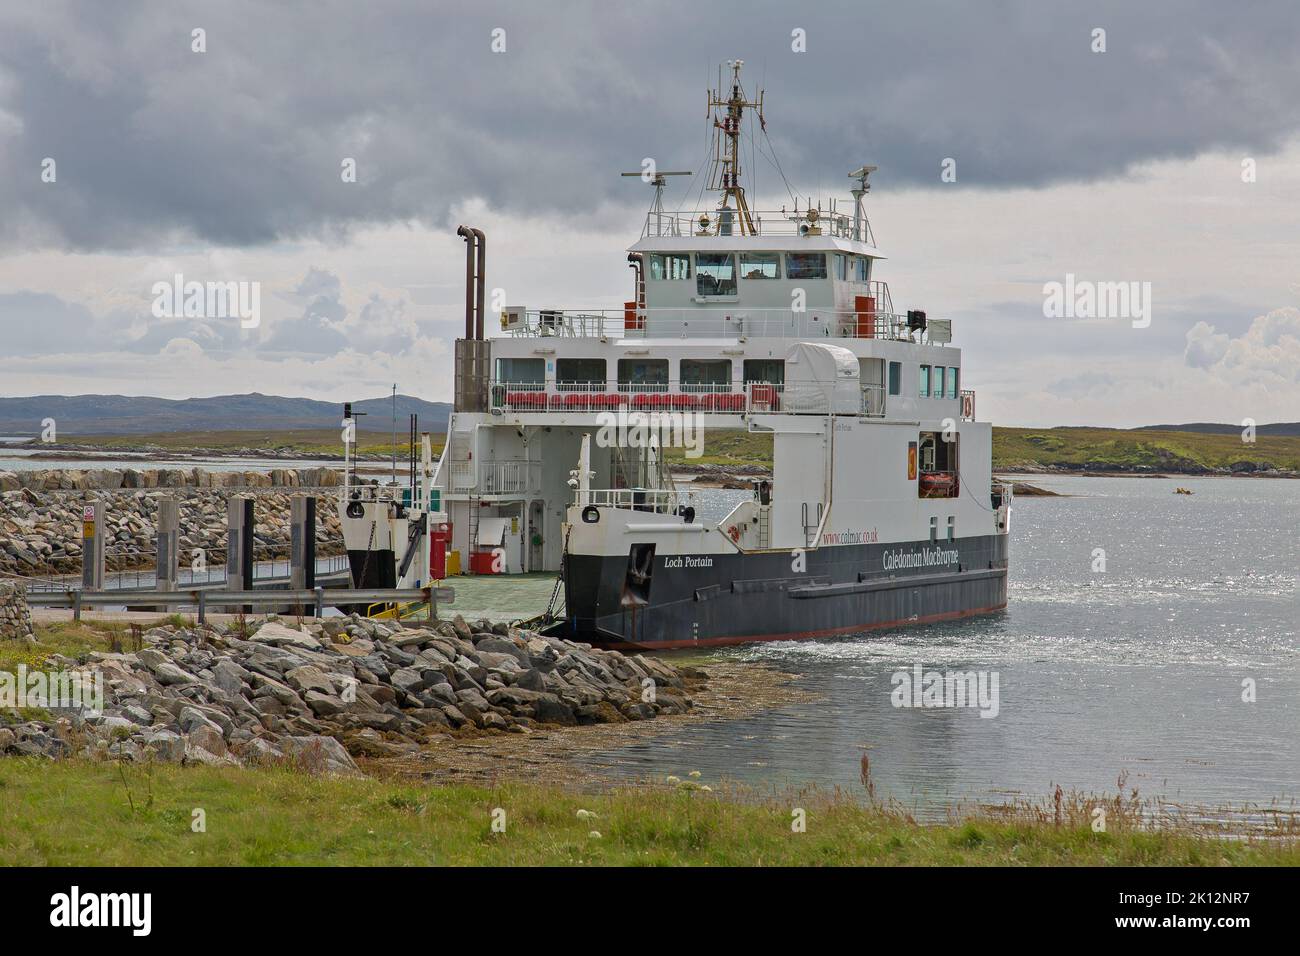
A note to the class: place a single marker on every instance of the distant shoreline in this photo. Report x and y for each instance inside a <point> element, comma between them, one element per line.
<point>734,455</point>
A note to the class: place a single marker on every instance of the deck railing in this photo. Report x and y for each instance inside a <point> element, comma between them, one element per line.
<point>766,222</point>
<point>736,398</point>
<point>495,477</point>
<point>656,500</point>
<point>715,323</point>
<point>873,401</point>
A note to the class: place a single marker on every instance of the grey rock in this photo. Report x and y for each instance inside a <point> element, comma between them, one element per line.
<point>323,705</point>
<point>320,754</point>
<point>309,677</point>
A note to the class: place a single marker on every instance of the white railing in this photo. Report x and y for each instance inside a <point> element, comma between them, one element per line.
<point>873,401</point>
<point>611,396</point>
<point>766,222</point>
<point>496,477</point>
<point>764,398</point>
<point>719,323</point>
<point>655,500</point>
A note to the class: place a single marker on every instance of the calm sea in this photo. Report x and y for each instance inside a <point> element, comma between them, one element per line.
<point>1134,672</point>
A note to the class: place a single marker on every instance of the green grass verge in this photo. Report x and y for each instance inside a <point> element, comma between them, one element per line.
<point>1100,448</point>
<point>1013,448</point>
<point>1161,450</point>
<point>311,441</point>
<point>80,813</point>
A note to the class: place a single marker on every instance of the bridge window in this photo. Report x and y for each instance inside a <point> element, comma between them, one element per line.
<point>841,266</point>
<point>924,378</point>
<point>522,371</point>
<point>715,273</point>
<point>580,371</point>
<point>952,383</point>
<point>805,265</point>
<point>643,375</point>
<point>760,265</point>
<point>706,372</point>
<point>672,266</point>
<point>861,269</point>
<point>766,371</point>
<point>937,385</point>
<point>895,378</point>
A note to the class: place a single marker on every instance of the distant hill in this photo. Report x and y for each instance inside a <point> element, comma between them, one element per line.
<point>1214,428</point>
<point>133,415</point>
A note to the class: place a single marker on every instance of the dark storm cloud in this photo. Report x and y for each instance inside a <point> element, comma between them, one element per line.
<point>243,144</point>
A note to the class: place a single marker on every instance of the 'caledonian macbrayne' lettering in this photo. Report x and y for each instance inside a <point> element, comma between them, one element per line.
<point>925,558</point>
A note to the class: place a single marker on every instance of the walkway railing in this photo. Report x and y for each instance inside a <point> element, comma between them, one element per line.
<point>717,322</point>
<point>667,396</point>
<point>314,600</point>
<point>211,571</point>
<point>767,222</point>
<point>659,501</point>
<point>496,477</point>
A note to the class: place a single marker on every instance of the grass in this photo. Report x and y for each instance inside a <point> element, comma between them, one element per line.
<point>1105,448</point>
<point>1099,448</point>
<point>80,813</point>
<point>312,441</point>
<point>75,638</point>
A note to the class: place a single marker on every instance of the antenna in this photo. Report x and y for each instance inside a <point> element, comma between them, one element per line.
<point>859,217</point>
<point>725,175</point>
<point>657,207</point>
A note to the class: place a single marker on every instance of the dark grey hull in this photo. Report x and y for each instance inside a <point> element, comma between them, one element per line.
<point>741,598</point>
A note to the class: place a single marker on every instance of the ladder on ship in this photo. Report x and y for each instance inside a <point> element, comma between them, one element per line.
<point>471,544</point>
<point>764,527</point>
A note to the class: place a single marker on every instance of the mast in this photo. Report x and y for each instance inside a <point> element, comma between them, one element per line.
<point>725,174</point>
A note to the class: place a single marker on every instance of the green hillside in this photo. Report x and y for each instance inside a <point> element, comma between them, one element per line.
<point>1095,449</point>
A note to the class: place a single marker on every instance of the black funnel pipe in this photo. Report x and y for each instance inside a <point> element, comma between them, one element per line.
<point>636,260</point>
<point>470,239</point>
<point>482,278</point>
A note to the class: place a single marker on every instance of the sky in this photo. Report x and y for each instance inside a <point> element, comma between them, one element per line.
<point>1164,151</point>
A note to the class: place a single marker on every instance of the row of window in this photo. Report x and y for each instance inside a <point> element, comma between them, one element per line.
<point>934,383</point>
<point>715,272</point>
<point>638,371</point>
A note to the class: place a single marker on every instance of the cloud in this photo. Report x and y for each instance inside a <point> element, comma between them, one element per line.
<point>1268,352</point>
<point>242,145</point>
<point>1205,346</point>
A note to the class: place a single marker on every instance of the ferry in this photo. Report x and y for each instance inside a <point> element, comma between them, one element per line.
<point>881,509</point>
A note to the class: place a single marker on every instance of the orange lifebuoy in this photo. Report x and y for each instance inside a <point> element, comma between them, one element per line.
<point>734,533</point>
<point>968,406</point>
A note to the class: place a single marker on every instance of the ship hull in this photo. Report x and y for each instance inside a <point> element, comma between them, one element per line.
<point>718,600</point>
